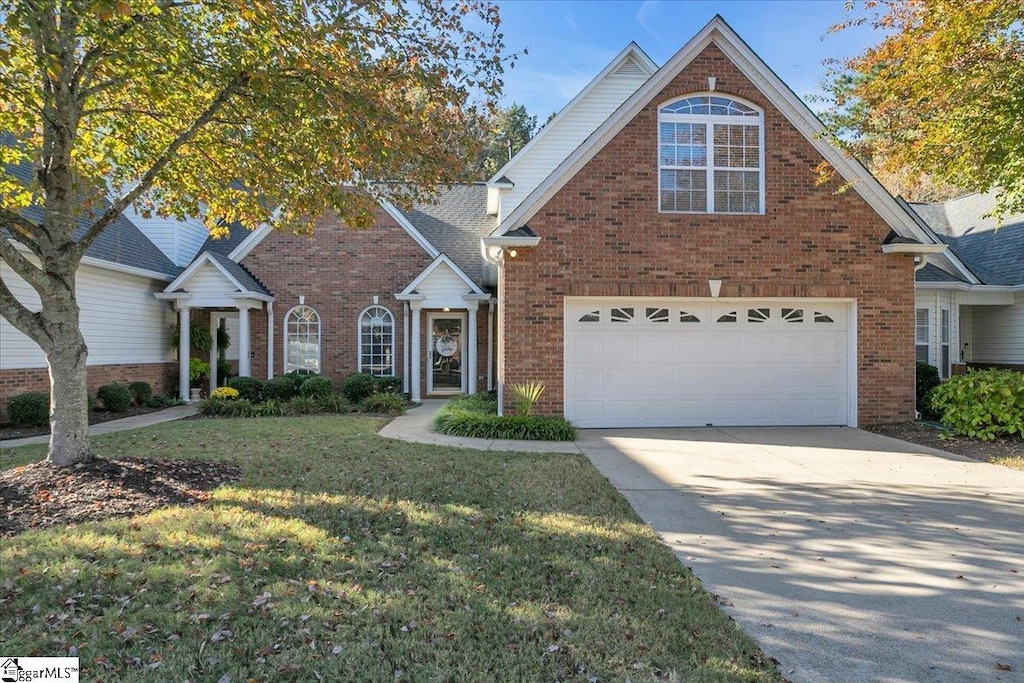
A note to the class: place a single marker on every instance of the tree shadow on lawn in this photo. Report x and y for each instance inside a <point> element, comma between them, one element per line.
<point>363,559</point>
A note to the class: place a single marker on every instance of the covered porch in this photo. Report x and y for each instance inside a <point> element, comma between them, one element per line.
<point>444,316</point>
<point>219,289</point>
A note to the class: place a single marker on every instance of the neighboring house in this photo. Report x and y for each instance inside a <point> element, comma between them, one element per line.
<point>970,301</point>
<point>661,253</point>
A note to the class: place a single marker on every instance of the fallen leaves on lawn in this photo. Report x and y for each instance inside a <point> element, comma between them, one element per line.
<point>39,496</point>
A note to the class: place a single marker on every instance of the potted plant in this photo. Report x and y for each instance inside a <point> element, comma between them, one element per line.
<point>198,371</point>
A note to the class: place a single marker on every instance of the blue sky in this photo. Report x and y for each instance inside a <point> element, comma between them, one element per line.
<point>569,42</point>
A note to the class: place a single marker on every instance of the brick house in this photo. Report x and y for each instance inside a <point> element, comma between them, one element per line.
<point>660,254</point>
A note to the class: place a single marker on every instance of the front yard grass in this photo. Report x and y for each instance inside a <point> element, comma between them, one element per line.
<point>341,555</point>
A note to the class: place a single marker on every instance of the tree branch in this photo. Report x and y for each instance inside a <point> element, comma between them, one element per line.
<point>28,271</point>
<point>20,229</point>
<point>27,322</point>
<point>146,181</point>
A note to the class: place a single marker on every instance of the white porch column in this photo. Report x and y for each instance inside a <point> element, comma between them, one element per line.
<point>417,362</point>
<point>490,345</point>
<point>472,306</point>
<point>405,347</point>
<point>213,350</point>
<point>244,367</point>
<point>184,350</point>
<point>270,340</point>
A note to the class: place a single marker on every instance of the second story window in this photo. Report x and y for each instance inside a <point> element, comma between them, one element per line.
<point>710,156</point>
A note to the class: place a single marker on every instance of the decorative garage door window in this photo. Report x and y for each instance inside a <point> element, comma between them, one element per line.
<point>699,314</point>
<point>377,342</point>
<point>302,340</point>
<point>711,156</point>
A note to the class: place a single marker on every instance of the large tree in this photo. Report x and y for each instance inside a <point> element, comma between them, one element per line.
<point>941,98</point>
<point>246,111</point>
<point>506,132</point>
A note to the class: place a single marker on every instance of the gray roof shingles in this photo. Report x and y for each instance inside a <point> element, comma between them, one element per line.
<point>121,243</point>
<point>225,245</point>
<point>994,252</point>
<point>454,224</point>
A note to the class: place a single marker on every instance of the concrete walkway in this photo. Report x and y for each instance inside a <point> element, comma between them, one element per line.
<point>415,426</point>
<point>124,424</point>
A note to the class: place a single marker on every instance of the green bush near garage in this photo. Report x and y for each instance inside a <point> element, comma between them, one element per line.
<point>477,416</point>
<point>29,410</point>
<point>985,404</point>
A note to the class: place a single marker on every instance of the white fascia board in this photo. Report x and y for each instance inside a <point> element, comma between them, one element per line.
<point>400,218</point>
<point>434,265</point>
<point>105,265</point>
<point>631,50</point>
<point>401,296</point>
<point>250,243</point>
<point>903,248</point>
<point>967,287</point>
<point>777,93</point>
<point>503,241</point>
<point>252,295</point>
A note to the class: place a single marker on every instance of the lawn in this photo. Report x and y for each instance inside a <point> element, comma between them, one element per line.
<point>341,555</point>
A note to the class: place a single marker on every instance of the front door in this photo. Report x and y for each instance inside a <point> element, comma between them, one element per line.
<point>447,349</point>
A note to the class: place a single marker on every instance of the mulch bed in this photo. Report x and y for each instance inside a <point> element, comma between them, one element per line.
<point>926,435</point>
<point>39,496</point>
<point>8,431</point>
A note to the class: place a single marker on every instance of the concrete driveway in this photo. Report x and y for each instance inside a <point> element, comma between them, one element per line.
<point>847,555</point>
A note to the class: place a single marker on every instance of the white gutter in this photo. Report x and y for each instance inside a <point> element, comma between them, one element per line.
<point>967,287</point>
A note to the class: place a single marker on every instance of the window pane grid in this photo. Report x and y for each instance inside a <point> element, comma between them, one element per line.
<point>302,340</point>
<point>376,342</point>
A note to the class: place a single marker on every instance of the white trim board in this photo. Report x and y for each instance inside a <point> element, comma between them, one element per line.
<point>195,266</point>
<point>719,33</point>
<point>434,265</point>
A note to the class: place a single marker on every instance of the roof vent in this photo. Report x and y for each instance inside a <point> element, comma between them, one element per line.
<point>630,67</point>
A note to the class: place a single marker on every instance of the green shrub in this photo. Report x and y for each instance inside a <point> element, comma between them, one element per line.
<point>927,379</point>
<point>302,405</point>
<point>114,397</point>
<point>299,377</point>
<point>982,404</point>
<point>141,392</point>
<point>270,408</point>
<point>525,395</point>
<point>316,387</point>
<point>389,385</point>
<point>159,401</point>
<point>473,423</point>
<point>29,410</point>
<point>358,386</point>
<point>281,388</point>
<point>383,403</point>
<point>248,388</point>
<point>197,369</point>
<point>335,403</point>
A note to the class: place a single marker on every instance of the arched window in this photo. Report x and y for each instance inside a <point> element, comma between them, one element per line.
<point>377,342</point>
<point>710,156</point>
<point>302,340</point>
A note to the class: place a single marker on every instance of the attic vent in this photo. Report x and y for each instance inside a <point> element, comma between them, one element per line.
<point>629,68</point>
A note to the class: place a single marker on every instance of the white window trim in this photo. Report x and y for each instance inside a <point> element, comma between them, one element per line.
<point>945,368</point>
<point>927,342</point>
<point>319,337</point>
<point>359,336</point>
<point>710,169</point>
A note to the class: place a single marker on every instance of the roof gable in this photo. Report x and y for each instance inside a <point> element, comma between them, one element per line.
<point>717,32</point>
<point>217,272</point>
<point>442,261</point>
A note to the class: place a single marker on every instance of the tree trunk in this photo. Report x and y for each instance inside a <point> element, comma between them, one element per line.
<point>69,399</point>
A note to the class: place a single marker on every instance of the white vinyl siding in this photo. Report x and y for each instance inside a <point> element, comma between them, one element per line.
<point>121,320</point>
<point>443,287</point>
<point>180,241</point>
<point>566,134</point>
<point>998,333</point>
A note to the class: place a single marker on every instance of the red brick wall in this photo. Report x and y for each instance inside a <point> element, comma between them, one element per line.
<point>162,376</point>
<point>602,235</point>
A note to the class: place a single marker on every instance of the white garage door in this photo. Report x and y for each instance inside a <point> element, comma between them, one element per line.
<point>697,362</point>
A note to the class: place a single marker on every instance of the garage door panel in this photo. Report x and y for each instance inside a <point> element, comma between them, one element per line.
<point>651,372</point>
